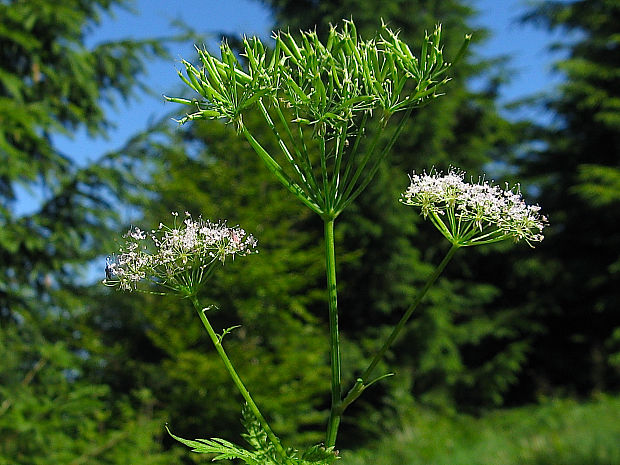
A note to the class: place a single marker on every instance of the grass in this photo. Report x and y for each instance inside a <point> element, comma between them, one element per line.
<point>557,432</point>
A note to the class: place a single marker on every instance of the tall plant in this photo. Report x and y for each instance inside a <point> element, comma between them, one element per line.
<point>328,106</point>
<point>337,90</point>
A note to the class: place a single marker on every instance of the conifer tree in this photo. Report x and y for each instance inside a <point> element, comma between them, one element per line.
<point>577,174</point>
<point>52,84</point>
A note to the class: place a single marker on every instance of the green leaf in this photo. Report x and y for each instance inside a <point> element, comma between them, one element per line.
<point>222,449</point>
<point>319,455</point>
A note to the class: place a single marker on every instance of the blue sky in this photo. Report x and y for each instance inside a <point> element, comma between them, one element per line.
<point>526,45</point>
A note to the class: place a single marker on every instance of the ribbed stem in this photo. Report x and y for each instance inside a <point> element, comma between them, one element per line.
<point>330,268</point>
<point>237,380</point>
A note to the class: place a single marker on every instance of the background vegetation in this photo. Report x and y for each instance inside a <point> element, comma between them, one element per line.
<point>514,358</point>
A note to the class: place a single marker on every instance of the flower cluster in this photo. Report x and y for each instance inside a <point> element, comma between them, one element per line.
<point>473,213</point>
<point>179,258</point>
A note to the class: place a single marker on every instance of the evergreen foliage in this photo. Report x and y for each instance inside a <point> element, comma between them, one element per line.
<point>51,84</point>
<point>576,172</point>
<point>553,432</point>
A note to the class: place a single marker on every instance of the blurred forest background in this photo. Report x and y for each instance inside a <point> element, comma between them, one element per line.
<point>513,359</point>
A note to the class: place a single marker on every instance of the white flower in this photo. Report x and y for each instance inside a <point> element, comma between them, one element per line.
<point>179,258</point>
<point>473,213</point>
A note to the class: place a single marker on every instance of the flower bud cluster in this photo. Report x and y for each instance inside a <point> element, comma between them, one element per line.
<point>180,257</point>
<point>473,213</point>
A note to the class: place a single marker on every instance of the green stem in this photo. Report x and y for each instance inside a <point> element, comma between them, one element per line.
<point>279,173</point>
<point>330,266</point>
<point>293,162</point>
<point>341,142</point>
<point>351,196</point>
<point>350,184</point>
<point>237,380</point>
<point>327,201</point>
<point>362,381</point>
<point>301,152</point>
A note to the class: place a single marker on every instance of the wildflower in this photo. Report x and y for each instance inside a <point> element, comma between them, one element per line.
<point>473,213</point>
<point>179,258</point>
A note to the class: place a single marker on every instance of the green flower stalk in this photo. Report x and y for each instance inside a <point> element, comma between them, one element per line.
<point>466,214</point>
<point>180,259</point>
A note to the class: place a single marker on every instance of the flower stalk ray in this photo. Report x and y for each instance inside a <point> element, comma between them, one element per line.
<point>319,101</point>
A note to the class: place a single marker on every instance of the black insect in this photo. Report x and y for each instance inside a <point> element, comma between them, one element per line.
<point>108,267</point>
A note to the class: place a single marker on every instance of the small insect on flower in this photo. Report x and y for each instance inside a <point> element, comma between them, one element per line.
<point>179,258</point>
<point>109,264</point>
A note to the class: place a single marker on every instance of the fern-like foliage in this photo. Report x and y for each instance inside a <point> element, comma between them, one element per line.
<point>263,451</point>
<point>256,437</point>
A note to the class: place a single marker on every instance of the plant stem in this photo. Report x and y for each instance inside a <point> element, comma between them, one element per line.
<point>237,380</point>
<point>330,268</point>
<point>279,173</point>
<point>350,196</point>
<point>362,381</point>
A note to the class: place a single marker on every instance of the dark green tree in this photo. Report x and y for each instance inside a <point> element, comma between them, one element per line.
<point>576,173</point>
<point>52,84</point>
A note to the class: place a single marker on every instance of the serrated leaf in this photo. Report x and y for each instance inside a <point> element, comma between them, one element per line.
<point>256,437</point>
<point>222,449</point>
<point>319,455</point>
